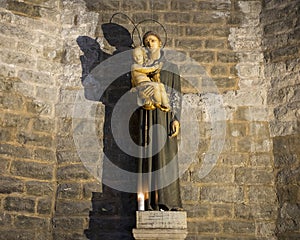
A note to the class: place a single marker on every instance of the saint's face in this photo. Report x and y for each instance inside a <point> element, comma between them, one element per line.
<point>152,42</point>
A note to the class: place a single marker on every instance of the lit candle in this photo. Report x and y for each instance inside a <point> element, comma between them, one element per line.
<point>141,202</point>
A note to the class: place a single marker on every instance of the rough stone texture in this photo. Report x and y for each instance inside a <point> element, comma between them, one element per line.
<point>240,64</point>
<point>281,41</point>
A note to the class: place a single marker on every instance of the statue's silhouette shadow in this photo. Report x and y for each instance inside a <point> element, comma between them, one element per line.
<point>113,213</point>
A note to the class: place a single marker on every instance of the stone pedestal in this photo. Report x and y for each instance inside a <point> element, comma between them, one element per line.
<point>160,225</point>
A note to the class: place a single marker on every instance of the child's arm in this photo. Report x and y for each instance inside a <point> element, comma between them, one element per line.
<point>142,69</point>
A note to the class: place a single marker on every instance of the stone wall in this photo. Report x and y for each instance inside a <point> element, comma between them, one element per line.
<point>281,41</point>
<point>53,139</point>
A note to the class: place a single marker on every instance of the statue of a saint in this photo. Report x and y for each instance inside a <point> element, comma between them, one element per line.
<point>166,197</point>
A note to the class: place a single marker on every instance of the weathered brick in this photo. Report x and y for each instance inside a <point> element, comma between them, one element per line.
<point>208,18</point>
<point>15,151</point>
<point>222,211</point>
<point>188,44</point>
<point>28,222</point>
<point>222,82</point>
<point>216,175</point>
<point>132,5</point>
<point>204,226</point>
<point>104,5</point>
<point>23,8</point>
<point>253,176</point>
<point>219,70</point>
<point>40,78</point>
<point>67,223</point>
<point>203,56</point>
<point>221,194</point>
<point>5,219</point>
<point>255,211</point>
<point>215,44</point>
<point>43,124</point>
<point>71,208</point>
<point>196,211</point>
<point>239,227</point>
<point>190,193</point>
<point>184,5</point>
<point>171,17</point>
<point>35,139</point>
<point>39,107</point>
<point>264,194</point>
<point>44,206</point>
<point>47,155</point>
<point>76,171</point>
<point>90,188</point>
<point>13,103</point>
<point>69,191</point>
<point>38,188</point>
<point>19,59</point>
<point>10,185</point>
<point>17,234</point>
<point>32,170</point>
<point>19,204</point>
<point>227,57</point>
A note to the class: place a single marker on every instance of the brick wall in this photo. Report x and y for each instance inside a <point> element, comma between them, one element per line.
<point>51,157</point>
<point>31,51</point>
<point>281,41</point>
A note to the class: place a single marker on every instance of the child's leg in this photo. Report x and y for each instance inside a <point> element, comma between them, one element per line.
<point>156,94</point>
<point>164,96</point>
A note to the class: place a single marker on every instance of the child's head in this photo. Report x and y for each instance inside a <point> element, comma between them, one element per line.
<point>139,55</point>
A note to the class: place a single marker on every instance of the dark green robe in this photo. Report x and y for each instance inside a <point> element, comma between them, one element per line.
<point>162,191</point>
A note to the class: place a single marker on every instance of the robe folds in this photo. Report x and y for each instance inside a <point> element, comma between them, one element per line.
<point>160,178</point>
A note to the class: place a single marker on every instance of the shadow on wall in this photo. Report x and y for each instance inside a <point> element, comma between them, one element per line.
<point>113,213</point>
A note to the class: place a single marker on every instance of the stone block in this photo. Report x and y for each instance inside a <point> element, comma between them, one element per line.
<point>67,223</point>
<point>19,204</point>
<point>73,208</point>
<point>188,44</point>
<point>170,17</point>
<point>264,194</point>
<point>254,176</point>
<point>32,170</point>
<point>10,185</point>
<point>39,188</point>
<point>209,18</point>
<point>69,191</point>
<point>215,44</point>
<point>227,57</point>
<point>44,206</point>
<point>203,56</point>
<point>76,171</point>
<point>47,155</point>
<point>161,220</point>
<point>197,211</point>
<point>206,226</point>
<point>240,227</point>
<point>230,194</point>
<point>219,70</point>
<point>23,8</point>
<point>15,151</point>
<point>132,5</point>
<point>159,234</point>
<point>28,222</point>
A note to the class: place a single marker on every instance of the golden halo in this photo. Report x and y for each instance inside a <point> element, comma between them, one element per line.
<point>144,30</point>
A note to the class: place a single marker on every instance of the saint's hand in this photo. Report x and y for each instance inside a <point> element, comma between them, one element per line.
<point>175,128</point>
